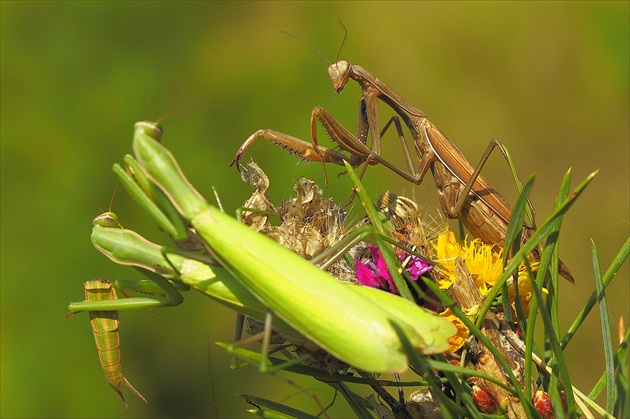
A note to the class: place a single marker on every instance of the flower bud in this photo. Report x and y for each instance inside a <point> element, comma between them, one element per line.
<point>484,401</point>
<point>542,403</point>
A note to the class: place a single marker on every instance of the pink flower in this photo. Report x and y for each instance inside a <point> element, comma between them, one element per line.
<point>416,267</point>
<point>373,272</point>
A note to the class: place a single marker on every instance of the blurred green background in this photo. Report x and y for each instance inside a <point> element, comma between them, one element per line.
<point>549,80</point>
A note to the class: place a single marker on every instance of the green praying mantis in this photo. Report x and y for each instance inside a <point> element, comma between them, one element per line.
<point>246,271</point>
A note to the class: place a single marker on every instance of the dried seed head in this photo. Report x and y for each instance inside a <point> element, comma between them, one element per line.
<point>254,176</point>
<point>310,223</point>
<point>424,404</point>
<point>412,230</point>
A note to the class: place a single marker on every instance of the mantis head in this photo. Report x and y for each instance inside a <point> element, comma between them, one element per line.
<point>339,74</point>
<point>150,129</point>
<point>107,219</point>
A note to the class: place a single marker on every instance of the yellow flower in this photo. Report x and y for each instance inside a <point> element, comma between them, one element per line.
<point>457,341</point>
<point>447,250</point>
<point>483,263</point>
<point>525,291</point>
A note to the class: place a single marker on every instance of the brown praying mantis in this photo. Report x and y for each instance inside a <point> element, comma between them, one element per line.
<point>462,191</point>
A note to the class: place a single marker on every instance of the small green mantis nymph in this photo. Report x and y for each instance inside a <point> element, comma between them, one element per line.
<point>105,327</point>
<point>361,326</point>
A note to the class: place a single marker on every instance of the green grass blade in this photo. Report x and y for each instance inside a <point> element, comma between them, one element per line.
<point>620,357</point>
<point>622,406</point>
<point>517,179</point>
<point>265,404</point>
<point>560,369</point>
<point>606,337</point>
<point>529,340</point>
<point>267,414</point>
<point>255,358</point>
<point>619,260</point>
<point>392,262</point>
<point>549,307</point>
<point>549,312</point>
<point>356,402</point>
<point>513,242</point>
<point>446,366</point>
<point>422,367</point>
<point>515,226</point>
<point>533,241</point>
<point>474,329</point>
